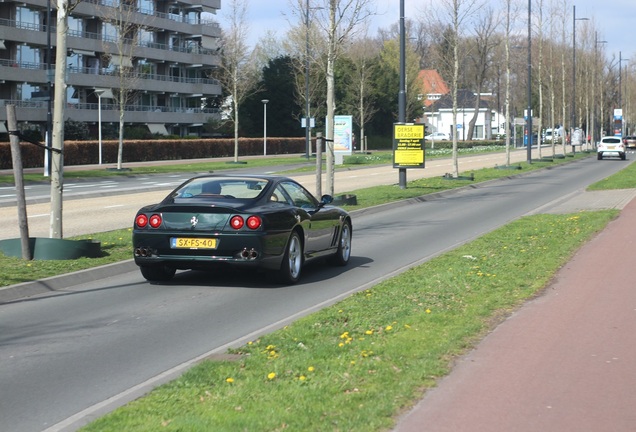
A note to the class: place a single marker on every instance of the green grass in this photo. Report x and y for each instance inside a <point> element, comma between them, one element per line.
<point>355,160</point>
<point>117,245</point>
<point>356,365</point>
<point>624,179</point>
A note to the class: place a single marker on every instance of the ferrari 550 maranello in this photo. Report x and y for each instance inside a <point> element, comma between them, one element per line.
<point>262,221</point>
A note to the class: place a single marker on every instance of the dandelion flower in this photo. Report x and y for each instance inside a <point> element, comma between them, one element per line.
<point>428,311</point>
<point>389,328</point>
<point>311,368</point>
<point>369,332</point>
<point>271,375</point>
<point>229,380</point>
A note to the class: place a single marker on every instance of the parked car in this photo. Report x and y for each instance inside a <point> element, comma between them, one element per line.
<point>629,141</point>
<point>610,146</point>
<point>551,134</point>
<point>250,221</point>
<point>438,136</point>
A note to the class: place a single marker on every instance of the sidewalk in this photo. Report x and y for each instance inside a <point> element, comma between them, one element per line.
<point>564,362</point>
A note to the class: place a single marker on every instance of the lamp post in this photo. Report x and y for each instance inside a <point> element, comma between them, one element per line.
<point>573,114</point>
<point>49,87</point>
<point>594,71</point>
<point>265,126</point>
<point>620,78</point>
<point>307,106</point>
<point>99,93</point>
<point>620,86</point>
<point>402,91</point>
<point>529,111</point>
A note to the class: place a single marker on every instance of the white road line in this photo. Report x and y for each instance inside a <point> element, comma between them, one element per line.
<point>114,206</point>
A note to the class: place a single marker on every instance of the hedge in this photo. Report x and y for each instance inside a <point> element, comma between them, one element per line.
<point>87,152</point>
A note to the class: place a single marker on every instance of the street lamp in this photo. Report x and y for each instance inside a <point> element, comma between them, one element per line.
<point>99,93</point>
<point>594,71</point>
<point>50,79</point>
<point>529,111</point>
<point>402,91</point>
<point>620,78</point>
<point>307,107</point>
<point>307,102</point>
<point>573,114</point>
<point>265,126</point>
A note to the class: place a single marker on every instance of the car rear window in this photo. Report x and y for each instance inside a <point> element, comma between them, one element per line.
<point>224,187</point>
<point>612,140</point>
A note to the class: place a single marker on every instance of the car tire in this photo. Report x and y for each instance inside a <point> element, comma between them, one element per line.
<point>291,266</point>
<point>157,273</point>
<point>343,253</point>
<point>623,156</point>
<point>599,156</point>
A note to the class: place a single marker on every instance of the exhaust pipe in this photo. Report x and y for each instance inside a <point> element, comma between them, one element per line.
<point>250,254</point>
<point>142,252</point>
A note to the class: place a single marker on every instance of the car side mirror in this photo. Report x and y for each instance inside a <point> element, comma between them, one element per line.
<point>326,199</point>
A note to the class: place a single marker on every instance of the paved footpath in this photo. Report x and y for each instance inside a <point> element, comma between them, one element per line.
<point>565,361</point>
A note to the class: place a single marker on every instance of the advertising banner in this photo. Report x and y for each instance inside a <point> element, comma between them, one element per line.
<point>343,134</point>
<point>408,145</point>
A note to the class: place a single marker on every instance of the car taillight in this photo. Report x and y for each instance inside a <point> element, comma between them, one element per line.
<point>237,222</point>
<point>155,220</point>
<point>141,220</point>
<point>254,222</point>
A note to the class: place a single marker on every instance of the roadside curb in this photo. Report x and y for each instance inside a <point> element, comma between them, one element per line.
<point>58,284</point>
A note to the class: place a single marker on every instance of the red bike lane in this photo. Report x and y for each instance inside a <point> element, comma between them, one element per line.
<point>565,361</point>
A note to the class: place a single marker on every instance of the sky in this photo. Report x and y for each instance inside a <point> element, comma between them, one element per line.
<point>613,18</point>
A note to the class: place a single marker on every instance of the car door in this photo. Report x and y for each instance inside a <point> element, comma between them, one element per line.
<point>322,222</point>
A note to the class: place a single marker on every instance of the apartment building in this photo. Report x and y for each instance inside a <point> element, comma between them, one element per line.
<point>174,49</point>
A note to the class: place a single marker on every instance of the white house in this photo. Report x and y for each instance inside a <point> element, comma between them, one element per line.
<point>439,117</point>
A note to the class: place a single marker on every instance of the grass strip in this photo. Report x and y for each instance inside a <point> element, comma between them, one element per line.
<point>356,365</point>
<point>117,245</point>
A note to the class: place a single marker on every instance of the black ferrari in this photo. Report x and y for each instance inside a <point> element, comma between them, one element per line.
<point>261,221</point>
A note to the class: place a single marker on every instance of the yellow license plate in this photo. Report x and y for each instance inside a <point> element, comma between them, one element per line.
<point>192,243</point>
<point>611,147</point>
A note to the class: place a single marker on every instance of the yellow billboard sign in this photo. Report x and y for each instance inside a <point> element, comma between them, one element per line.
<point>408,145</point>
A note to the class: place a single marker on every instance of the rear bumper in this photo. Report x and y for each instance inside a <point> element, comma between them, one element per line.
<point>257,250</point>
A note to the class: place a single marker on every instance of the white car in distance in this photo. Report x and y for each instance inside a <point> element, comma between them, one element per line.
<point>610,146</point>
<point>438,136</point>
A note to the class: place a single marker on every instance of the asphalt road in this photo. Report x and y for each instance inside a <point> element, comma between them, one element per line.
<point>86,202</point>
<point>68,356</point>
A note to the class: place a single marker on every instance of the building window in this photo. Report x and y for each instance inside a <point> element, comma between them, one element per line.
<point>479,132</point>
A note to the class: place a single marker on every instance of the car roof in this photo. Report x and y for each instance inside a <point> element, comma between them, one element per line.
<point>270,177</point>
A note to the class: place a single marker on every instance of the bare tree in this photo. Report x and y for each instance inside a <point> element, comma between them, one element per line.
<point>307,48</point>
<point>540,24</point>
<point>564,14</point>
<point>455,14</point>
<point>511,14</point>
<point>64,7</point>
<point>362,53</point>
<point>342,18</point>
<point>553,68</point>
<point>124,21</point>
<point>484,44</point>
<point>238,74</point>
